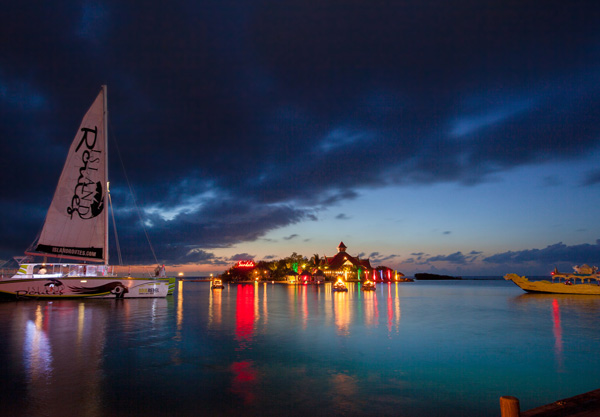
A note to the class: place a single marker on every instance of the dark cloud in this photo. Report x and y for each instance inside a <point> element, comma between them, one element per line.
<point>342,216</point>
<point>290,237</point>
<point>235,121</point>
<point>455,258</point>
<point>592,178</point>
<point>377,259</point>
<point>555,254</point>
<point>241,257</point>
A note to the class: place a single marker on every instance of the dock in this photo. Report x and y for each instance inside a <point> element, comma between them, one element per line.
<point>583,405</point>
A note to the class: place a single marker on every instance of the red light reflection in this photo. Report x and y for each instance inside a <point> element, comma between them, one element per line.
<point>244,313</point>
<point>557,330</point>
<point>244,381</point>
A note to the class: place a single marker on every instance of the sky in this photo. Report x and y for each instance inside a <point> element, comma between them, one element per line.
<point>455,137</point>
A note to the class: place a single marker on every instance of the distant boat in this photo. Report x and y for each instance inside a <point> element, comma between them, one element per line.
<point>217,284</point>
<point>368,286</point>
<point>567,282</point>
<point>76,227</point>
<point>339,285</point>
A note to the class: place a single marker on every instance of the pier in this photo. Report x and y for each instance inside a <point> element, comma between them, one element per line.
<point>583,405</point>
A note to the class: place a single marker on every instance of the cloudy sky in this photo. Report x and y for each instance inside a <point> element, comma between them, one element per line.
<point>445,136</point>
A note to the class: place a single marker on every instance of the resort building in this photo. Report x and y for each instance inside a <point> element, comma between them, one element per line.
<point>298,269</point>
<point>346,266</point>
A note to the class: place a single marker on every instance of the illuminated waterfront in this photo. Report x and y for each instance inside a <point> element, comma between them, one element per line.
<point>410,349</point>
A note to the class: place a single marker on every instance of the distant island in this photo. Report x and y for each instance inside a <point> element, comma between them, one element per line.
<point>424,276</point>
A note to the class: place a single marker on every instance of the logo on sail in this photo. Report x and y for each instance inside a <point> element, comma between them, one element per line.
<point>88,197</point>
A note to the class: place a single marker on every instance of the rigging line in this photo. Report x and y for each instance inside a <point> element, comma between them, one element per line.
<point>112,212</point>
<point>137,209</point>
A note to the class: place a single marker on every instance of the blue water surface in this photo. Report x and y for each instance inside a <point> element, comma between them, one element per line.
<point>439,348</point>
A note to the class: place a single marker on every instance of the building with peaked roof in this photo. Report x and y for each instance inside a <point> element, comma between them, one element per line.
<point>346,265</point>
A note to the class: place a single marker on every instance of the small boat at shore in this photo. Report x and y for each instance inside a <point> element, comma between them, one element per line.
<point>567,282</point>
<point>217,284</point>
<point>368,286</point>
<point>339,285</point>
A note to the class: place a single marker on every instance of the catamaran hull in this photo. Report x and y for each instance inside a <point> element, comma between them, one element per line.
<point>548,287</point>
<point>85,287</point>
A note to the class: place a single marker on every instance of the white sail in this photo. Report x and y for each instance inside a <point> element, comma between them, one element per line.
<point>75,225</point>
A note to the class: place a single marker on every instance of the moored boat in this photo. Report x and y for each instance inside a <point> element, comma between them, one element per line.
<point>217,284</point>
<point>76,228</point>
<point>368,286</point>
<point>567,283</point>
<point>339,285</point>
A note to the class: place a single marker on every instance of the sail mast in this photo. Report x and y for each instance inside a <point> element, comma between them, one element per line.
<point>104,89</point>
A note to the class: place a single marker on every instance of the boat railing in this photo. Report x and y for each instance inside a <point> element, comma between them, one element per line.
<point>575,277</point>
<point>6,273</point>
<point>47,270</point>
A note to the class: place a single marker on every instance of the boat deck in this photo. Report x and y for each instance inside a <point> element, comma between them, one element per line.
<point>583,405</point>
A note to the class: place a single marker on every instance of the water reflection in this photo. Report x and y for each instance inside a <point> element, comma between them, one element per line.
<point>393,307</point>
<point>215,307</point>
<point>558,346</point>
<point>341,310</point>
<point>265,308</point>
<point>345,393</point>
<point>37,352</point>
<point>244,381</point>
<point>584,307</point>
<point>303,305</point>
<point>370,308</point>
<point>338,353</point>
<point>179,309</point>
<point>62,347</point>
<point>245,314</point>
<point>590,303</point>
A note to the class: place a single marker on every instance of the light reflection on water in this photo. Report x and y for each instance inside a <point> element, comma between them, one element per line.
<point>408,349</point>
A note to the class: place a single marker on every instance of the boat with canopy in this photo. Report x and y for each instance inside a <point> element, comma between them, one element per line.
<point>339,285</point>
<point>585,280</point>
<point>368,286</point>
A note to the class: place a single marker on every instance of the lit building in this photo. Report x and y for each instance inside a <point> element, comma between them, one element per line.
<point>348,266</point>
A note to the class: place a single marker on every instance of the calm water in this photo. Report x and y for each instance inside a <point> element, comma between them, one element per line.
<point>408,349</point>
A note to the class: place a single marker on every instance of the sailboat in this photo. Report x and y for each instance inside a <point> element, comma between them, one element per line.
<point>76,228</point>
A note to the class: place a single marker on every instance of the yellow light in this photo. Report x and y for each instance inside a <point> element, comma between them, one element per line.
<point>180,274</point>
<point>83,280</point>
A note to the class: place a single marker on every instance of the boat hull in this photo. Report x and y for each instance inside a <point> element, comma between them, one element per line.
<point>85,287</point>
<point>172,281</point>
<point>548,287</point>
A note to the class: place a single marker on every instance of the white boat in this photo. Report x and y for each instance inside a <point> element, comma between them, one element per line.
<point>217,284</point>
<point>76,228</point>
<point>585,281</point>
